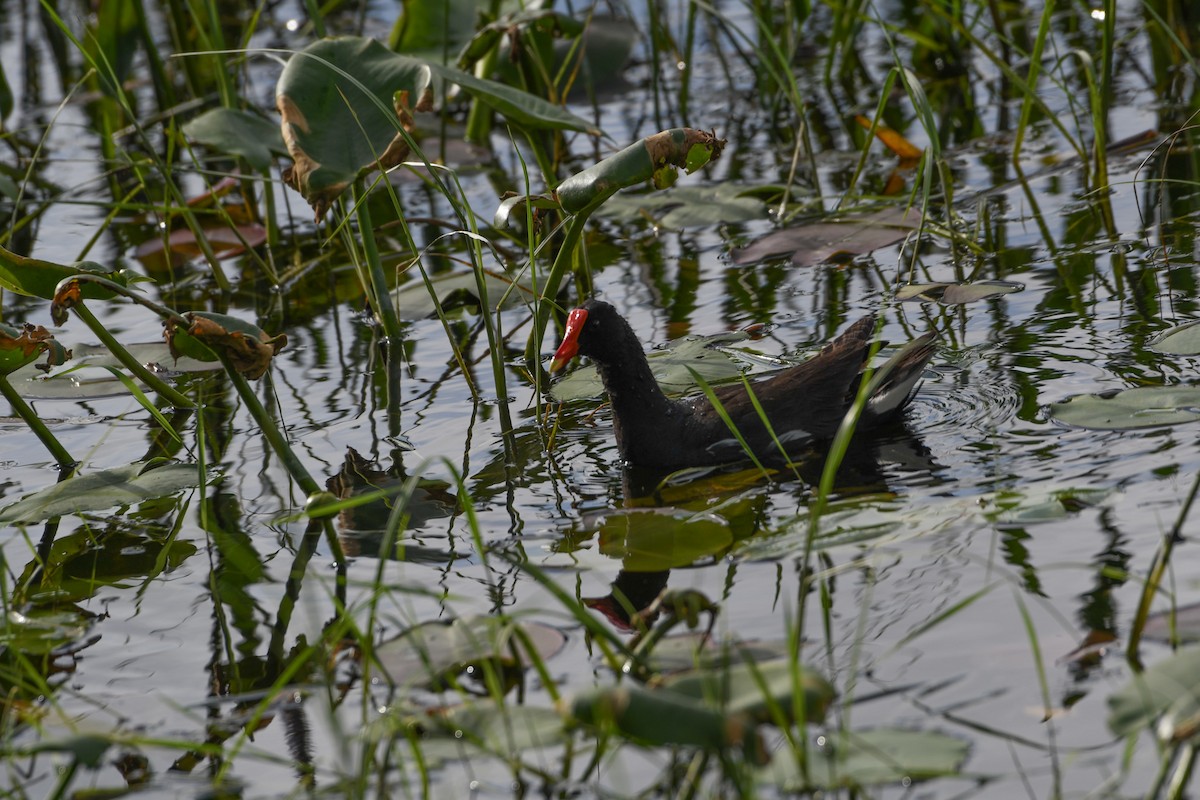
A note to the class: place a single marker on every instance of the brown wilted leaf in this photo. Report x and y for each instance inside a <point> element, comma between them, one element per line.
<point>20,346</point>
<point>64,300</point>
<point>248,349</point>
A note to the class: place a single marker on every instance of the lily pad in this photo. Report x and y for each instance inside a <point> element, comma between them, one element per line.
<point>234,132</point>
<point>665,718</point>
<point>345,101</point>
<point>862,758</point>
<point>758,689</point>
<point>247,347</point>
<point>688,206</point>
<point>108,488</point>
<point>40,631</point>
<point>833,239</point>
<point>430,653</point>
<point>1140,407</point>
<point>1167,692</point>
<point>457,290</point>
<point>1178,624</point>
<point>1182,340</point>
<point>951,294</point>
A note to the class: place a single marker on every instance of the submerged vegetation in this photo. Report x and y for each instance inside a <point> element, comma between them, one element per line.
<point>289,503</point>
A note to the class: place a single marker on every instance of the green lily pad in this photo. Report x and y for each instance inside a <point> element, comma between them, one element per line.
<point>1168,691</point>
<point>862,758</point>
<point>1140,407</point>
<point>239,133</point>
<point>108,488</point>
<point>1182,340</point>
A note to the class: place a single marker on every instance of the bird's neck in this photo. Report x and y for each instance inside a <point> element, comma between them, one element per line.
<point>640,409</point>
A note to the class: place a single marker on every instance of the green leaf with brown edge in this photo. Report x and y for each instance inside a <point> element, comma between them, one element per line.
<point>247,346</point>
<point>33,277</point>
<point>20,347</point>
<point>340,120</point>
<point>642,161</point>
<point>344,102</point>
<point>234,132</point>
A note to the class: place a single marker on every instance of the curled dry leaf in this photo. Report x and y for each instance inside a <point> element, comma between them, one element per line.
<point>67,297</point>
<point>655,158</point>
<point>21,346</point>
<point>247,347</point>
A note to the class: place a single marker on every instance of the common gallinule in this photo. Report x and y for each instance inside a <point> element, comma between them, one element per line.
<point>805,404</point>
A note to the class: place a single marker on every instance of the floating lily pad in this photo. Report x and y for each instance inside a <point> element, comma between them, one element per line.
<point>829,239</point>
<point>688,206</point>
<point>951,294</point>
<point>39,631</point>
<point>758,689</point>
<point>457,290</point>
<point>1179,624</point>
<point>666,718</point>
<point>1038,504</point>
<point>1140,407</point>
<point>432,652</point>
<point>862,758</point>
<point>109,488</point>
<point>1167,691</point>
<point>1182,340</point>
